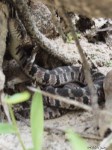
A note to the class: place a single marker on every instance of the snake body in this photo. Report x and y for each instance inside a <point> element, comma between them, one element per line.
<point>61,80</point>
<point>55,77</point>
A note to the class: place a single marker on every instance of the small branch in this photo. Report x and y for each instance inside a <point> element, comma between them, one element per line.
<point>69,101</point>
<point>84,61</point>
<point>105,143</point>
<point>94,98</point>
<point>86,67</point>
<point>80,105</point>
<point>62,99</point>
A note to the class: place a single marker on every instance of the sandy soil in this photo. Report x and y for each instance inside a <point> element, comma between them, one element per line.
<point>81,122</point>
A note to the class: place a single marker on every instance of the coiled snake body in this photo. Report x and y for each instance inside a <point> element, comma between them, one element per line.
<point>61,80</point>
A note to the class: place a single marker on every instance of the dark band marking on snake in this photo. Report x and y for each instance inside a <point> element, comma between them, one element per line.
<point>56,80</point>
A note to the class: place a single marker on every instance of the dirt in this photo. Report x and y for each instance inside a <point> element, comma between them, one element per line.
<point>82,122</point>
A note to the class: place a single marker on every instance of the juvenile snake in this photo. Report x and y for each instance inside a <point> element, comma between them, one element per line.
<point>61,80</point>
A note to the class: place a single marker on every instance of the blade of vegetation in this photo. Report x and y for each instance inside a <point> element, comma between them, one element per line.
<point>16,127</point>
<point>6,128</point>
<point>76,141</point>
<point>17,98</point>
<point>69,38</point>
<point>37,120</point>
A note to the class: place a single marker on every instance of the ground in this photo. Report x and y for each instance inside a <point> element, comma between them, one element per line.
<point>81,122</point>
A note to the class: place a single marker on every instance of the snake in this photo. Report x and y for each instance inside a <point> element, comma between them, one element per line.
<point>67,81</point>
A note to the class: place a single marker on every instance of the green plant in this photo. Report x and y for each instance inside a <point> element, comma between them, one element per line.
<point>76,141</point>
<point>6,128</point>
<point>70,38</point>
<point>36,118</point>
<point>36,121</point>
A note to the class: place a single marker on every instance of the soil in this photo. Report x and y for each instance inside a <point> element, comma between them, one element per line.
<point>82,122</point>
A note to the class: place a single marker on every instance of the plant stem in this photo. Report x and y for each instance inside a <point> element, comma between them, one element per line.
<point>16,127</point>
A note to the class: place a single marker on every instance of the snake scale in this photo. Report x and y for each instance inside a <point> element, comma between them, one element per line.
<point>68,81</point>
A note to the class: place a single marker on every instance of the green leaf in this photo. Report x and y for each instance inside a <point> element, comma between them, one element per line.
<point>76,141</point>
<point>6,128</point>
<point>37,120</point>
<point>17,98</point>
<point>70,38</point>
<point>79,35</point>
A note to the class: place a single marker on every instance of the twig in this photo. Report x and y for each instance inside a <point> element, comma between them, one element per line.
<point>85,63</point>
<point>80,105</point>
<point>62,99</point>
<point>105,143</point>
<point>68,101</point>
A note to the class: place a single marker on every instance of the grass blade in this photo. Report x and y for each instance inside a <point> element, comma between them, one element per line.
<point>16,127</point>
<point>17,98</point>
<point>37,120</point>
<point>6,128</point>
<point>76,141</point>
